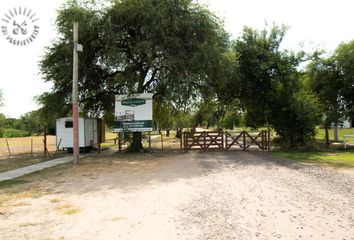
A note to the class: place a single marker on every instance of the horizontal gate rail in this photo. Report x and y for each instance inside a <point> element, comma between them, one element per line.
<point>225,140</point>
<point>245,140</point>
<point>203,140</point>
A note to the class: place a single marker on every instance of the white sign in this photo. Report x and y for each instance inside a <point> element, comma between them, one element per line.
<point>133,113</point>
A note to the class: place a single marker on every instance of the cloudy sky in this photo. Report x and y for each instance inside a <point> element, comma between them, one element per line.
<point>313,24</point>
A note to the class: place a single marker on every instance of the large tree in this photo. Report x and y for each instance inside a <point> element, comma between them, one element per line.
<point>270,89</point>
<point>133,46</point>
<point>332,80</point>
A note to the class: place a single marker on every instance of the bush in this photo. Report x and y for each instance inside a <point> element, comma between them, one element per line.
<point>12,133</point>
<point>296,122</point>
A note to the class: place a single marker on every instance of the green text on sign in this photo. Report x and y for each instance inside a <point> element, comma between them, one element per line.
<point>133,102</point>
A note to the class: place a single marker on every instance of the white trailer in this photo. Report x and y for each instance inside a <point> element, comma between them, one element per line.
<point>91,133</point>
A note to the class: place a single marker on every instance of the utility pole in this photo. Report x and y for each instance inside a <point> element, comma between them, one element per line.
<point>75,95</point>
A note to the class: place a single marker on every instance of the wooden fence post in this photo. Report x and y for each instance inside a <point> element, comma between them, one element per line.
<point>244,140</point>
<point>31,147</point>
<point>8,147</point>
<point>119,142</point>
<point>268,138</point>
<point>161,141</point>
<point>180,139</point>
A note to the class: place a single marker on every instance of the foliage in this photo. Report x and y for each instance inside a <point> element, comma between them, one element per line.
<point>28,124</point>
<point>270,90</point>
<point>132,46</point>
<point>331,79</point>
<point>12,133</point>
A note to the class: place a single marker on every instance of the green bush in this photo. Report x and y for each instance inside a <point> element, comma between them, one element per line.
<point>12,133</point>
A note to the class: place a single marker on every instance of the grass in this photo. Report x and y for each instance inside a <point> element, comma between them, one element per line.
<point>18,162</point>
<point>28,224</point>
<point>344,131</point>
<point>28,186</point>
<point>68,209</point>
<point>23,145</point>
<point>334,158</point>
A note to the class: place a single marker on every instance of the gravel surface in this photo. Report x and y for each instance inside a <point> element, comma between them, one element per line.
<point>195,195</point>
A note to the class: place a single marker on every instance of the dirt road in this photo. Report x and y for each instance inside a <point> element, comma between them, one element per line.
<point>227,195</point>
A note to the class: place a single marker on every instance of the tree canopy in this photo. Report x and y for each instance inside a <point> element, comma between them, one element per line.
<point>179,51</point>
<point>270,89</point>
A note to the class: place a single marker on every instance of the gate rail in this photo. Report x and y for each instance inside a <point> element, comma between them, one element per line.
<point>203,140</point>
<point>245,140</point>
<point>225,140</point>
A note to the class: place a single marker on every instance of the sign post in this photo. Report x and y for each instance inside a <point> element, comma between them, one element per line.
<point>75,96</point>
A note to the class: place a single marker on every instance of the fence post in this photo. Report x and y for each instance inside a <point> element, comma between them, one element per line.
<point>180,140</point>
<point>8,147</point>
<point>161,141</point>
<point>244,140</point>
<point>222,139</point>
<point>45,142</point>
<point>268,138</point>
<point>204,135</point>
<point>119,142</point>
<point>226,140</point>
<point>31,147</point>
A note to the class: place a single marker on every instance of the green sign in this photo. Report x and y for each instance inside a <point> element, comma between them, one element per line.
<point>133,102</point>
<point>133,124</point>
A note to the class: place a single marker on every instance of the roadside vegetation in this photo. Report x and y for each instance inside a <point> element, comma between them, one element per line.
<point>325,157</point>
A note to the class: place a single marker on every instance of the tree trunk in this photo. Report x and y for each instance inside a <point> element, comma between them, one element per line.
<point>136,144</point>
<point>335,132</point>
<point>178,133</point>
<point>167,132</point>
<point>327,135</point>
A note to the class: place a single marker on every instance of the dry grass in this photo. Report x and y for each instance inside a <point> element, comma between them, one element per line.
<point>28,224</point>
<point>23,145</point>
<point>18,162</point>
<point>68,209</point>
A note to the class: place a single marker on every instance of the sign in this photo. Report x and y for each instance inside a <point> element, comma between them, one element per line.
<point>19,26</point>
<point>133,113</point>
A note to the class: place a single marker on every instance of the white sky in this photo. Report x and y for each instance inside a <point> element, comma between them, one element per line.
<point>316,23</point>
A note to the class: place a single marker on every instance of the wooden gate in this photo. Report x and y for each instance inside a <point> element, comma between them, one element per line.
<point>225,140</point>
<point>246,140</point>
<point>203,140</point>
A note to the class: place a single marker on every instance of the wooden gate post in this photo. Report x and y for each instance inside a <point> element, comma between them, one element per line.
<point>119,142</point>
<point>244,140</point>
<point>180,139</point>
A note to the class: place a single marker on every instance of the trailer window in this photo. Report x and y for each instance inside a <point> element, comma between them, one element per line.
<point>69,124</point>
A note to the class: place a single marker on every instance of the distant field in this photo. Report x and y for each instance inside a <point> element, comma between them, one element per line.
<point>20,146</point>
<point>322,136</point>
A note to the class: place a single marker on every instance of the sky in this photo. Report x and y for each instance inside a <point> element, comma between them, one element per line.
<point>312,24</point>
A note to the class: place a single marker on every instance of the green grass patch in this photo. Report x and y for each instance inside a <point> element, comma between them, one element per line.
<point>12,182</point>
<point>335,158</point>
<point>344,131</point>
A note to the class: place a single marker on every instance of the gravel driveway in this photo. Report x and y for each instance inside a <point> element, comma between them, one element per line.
<point>195,195</point>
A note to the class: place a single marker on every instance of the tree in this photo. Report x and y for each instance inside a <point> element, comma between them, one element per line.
<point>323,79</point>
<point>270,88</point>
<point>331,79</point>
<point>132,47</point>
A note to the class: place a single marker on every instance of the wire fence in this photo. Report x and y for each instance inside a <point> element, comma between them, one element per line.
<point>26,146</point>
